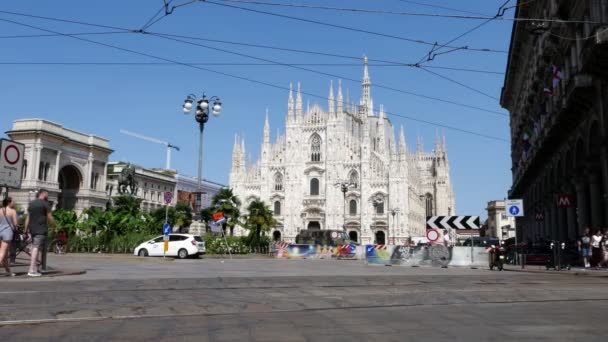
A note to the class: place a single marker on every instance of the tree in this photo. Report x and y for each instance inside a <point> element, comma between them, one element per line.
<point>260,219</point>
<point>66,220</point>
<point>228,203</point>
<point>207,216</point>
<point>128,204</point>
<point>178,216</point>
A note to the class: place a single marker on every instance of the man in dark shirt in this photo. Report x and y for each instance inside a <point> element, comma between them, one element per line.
<point>37,222</point>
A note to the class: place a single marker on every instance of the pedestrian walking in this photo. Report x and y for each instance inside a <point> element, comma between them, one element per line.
<point>584,246</point>
<point>605,248</point>
<point>596,249</point>
<point>37,224</point>
<point>8,227</point>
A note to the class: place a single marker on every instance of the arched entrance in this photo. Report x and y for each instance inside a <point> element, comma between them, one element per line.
<point>69,185</point>
<point>314,225</point>
<point>276,236</point>
<point>380,238</point>
<point>353,236</point>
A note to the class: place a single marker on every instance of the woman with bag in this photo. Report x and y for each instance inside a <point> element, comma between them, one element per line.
<point>8,227</point>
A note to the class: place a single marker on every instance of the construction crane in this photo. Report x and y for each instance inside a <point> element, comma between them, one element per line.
<point>167,144</point>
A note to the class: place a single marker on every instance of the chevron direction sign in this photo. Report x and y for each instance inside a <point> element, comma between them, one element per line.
<point>452,222</point>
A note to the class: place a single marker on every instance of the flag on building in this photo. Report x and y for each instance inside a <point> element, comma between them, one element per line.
<point>548,91</point>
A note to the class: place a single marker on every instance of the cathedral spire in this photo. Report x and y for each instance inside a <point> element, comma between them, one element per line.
<point>402,145</point>
<point>266,129</point>
<point>340,100</point>
<point>437,142</point>
<point>444,146</point>
<point>381,132</point>
<point>290,110</point>
<point>299,103</point>
<point>366,99</point>
<point>330,100</point>
<point>419,145</point>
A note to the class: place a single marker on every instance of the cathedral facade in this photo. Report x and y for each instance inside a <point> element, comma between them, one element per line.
<point>343,168</point>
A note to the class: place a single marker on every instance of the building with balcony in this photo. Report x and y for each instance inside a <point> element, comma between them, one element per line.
<point>71,165</point>
<point>186,190</point>
<point>392,189</point>
<point>556,91</point>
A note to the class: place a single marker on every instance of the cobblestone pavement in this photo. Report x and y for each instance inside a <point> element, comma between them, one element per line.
<point>127,298</point>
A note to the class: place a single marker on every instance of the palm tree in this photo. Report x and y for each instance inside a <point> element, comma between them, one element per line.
<point>128,204</point>
<point>228,203</point>
<point>260,219</point>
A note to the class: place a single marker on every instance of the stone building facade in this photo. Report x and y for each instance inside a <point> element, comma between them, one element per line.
<point>498,223</point>
<point>71,165</point>
<point>556,90</point>
<point>151,184</point>
<point>393,189</point>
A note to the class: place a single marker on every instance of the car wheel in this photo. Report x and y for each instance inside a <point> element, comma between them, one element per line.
<point>182,254</point>
<point>143,252</point>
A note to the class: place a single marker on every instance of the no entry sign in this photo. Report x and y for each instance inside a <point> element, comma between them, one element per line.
<point>432,235</point>
<point>11,163</point>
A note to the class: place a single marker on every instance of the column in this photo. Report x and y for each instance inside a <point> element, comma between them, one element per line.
<point>57,166</point>
<point>571,217</point>
<point>597,216</point>
<point>604,181</point>
<point>36,162</point>
<point>554,222</point>
<point>89,171</point>
<point>562,226</point>
<point>581,206</point>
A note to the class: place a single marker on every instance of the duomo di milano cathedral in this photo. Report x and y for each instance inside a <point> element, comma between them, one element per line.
<point>392,189</point>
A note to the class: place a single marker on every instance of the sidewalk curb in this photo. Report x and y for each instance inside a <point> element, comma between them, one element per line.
<point>127,257</point>
<point>571,273</point>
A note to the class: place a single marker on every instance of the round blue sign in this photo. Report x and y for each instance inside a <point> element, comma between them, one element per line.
<point>514,210</point>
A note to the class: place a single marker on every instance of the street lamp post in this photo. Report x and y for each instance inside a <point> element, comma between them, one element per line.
<point>344,186</point>
<point>395,211</point>
<point>201,116</point>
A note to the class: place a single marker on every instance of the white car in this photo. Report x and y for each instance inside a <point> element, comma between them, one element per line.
<point>180,245</point>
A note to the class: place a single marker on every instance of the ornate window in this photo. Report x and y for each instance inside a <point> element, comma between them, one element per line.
<point>380,208</point>
<point>352,207</point>
<point>353,178</point>
<point>278,182</point>
<point>314,187</point>
<point>428,200</point>
<point>315,148</point>
<point>277,208</point>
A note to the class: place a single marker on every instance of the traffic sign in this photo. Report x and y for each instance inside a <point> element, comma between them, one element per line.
<point>168,197</point>
<point>432,235</point>
<point>166,229</point>
<point>564,201</point>
<point>11,163</point>
<point>219,217</point>
<point>515,207</point>
<point>452,222</point>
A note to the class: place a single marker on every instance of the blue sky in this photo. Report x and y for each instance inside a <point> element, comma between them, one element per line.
<point>147,99</point>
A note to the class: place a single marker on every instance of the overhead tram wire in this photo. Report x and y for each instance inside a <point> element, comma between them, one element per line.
<point>387,12</point>
<point>381,86</point>
<point>65,21</point>
<point>356,58</point>
<point>461,84</point>
<point>317,22</point>
<point>376,65</point>
<point>57,35</point>
<point>249,79</point>
<point>146,25</point>
<point>440,7</point>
